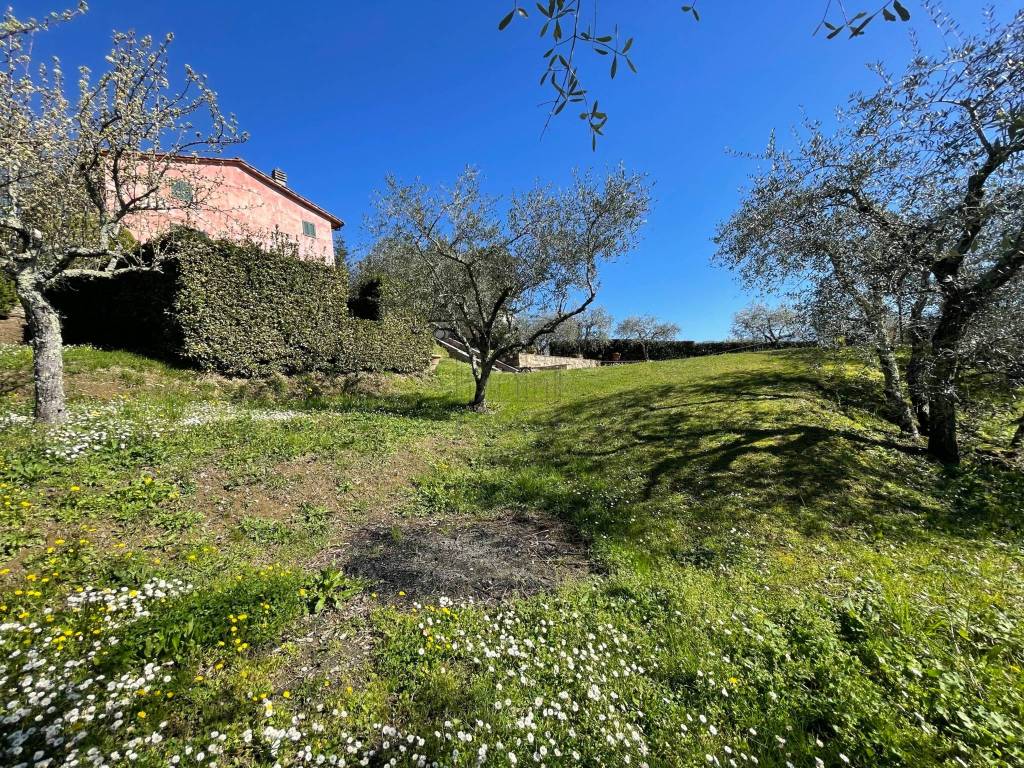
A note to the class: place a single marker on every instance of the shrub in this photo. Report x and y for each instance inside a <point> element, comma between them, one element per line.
<point>8,296</point>
<point>237,310</point>
<point>629,349</point>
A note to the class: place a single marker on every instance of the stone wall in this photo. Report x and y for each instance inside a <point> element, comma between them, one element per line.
<point>538,362</point>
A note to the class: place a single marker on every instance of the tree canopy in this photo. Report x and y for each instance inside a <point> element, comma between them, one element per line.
<point>72,173</point>
<point>478,269</point>
<point>909,209</point>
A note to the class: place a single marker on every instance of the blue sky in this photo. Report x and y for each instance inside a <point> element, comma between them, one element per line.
<point>341,93</point>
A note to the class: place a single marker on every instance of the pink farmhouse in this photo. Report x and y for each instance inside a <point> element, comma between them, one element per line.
<point>228,198</point>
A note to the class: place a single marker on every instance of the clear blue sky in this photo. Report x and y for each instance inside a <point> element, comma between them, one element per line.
<point>341,93</point>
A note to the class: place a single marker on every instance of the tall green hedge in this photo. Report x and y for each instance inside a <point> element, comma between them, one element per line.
<point>8,296</point>
<point>240,311</point>
<point>630,349</point>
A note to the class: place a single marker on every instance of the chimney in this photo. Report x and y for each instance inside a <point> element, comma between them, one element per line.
<point>279,176</point>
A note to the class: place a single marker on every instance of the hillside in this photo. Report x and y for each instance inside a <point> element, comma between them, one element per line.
<point>727,560</point>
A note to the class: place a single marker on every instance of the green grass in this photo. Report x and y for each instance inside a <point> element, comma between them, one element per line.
<point>776,574</point>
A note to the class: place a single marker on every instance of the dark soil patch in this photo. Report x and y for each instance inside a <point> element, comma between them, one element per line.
<point>514,554</point>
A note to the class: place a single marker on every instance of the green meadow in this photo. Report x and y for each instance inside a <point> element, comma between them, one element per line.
<point>726,561</point>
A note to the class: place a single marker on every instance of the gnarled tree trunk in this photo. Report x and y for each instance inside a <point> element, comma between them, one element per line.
<point>481,377</point>
<point>894,399</point>
<point>47,351</point>
<point>942,406</point>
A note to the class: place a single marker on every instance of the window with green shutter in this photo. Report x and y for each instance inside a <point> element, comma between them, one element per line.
<point>309,229</point>
<point>181,190</point>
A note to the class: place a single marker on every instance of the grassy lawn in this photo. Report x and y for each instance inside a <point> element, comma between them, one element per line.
<point>719,561</point>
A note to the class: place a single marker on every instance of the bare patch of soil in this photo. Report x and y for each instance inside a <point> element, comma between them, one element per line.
<point>366,489</point>
<point>274,495</point>
<point>116,381</point>
<point>516,553</point>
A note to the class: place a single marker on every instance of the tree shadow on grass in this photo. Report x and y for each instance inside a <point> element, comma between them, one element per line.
<point>747,446</point>
<point>15,382</point>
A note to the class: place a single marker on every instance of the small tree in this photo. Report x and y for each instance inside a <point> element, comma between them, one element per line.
<point>587,330</point>
<point>759,322</point>
<point>645,329</point>
<point>474,271</point>
<point>341,253</point>
<point>71,174</point>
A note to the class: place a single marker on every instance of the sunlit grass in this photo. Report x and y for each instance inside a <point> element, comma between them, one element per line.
<point>777,575</point>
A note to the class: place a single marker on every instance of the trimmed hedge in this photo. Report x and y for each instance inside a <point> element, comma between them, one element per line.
<point>8,296</point>
<point>237,310</point>
<point>629,349</point>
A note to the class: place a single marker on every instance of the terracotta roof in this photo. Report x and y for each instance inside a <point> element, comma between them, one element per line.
<point>288,192</point>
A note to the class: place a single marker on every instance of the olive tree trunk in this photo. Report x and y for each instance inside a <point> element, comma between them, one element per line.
<point>897,404</point>
<point>917,366</point>
<point>47,351</point>
<point>481,377</point>
<point>1017,443</point>
<point>942,406</point>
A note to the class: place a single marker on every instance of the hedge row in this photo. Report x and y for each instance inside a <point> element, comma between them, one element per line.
<point>628,349</point>
<point>8,296</point>
<point>237,310</point>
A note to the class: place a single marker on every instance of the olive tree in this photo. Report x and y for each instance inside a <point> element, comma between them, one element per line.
<point>476,268</point>
<point>789,231</point>
<point>912,202</point>
<point>73,172</point>
<point>645,329</point>
<point>586,330</point>
<point>759,322</point>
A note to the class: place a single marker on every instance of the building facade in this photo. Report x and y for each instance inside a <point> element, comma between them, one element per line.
<point>228,198</point>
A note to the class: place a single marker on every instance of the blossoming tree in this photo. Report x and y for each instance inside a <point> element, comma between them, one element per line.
<point>73,171</point>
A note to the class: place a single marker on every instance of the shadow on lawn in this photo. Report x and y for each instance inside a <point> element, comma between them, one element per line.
<point>768,445</point>
<point>15,382</point>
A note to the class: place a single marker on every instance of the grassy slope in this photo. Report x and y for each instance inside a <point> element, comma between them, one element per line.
<point>778,576</point>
